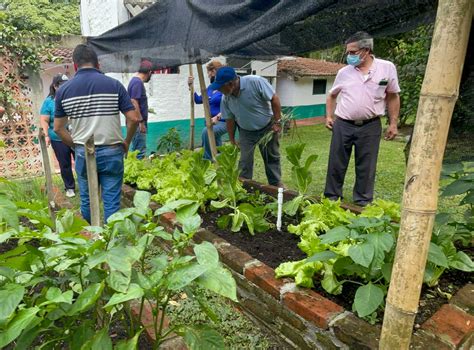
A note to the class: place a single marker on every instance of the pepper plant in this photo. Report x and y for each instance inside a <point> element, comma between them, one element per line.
<point>67,290</point>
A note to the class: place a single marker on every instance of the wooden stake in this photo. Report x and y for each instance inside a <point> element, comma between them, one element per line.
<point>420,198</point>
<point>92,181</point>
<point>47,174</point>
<point>207,111</point>
<point>191,125</point>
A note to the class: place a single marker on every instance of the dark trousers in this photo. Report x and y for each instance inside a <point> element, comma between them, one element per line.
<point>64,155</point>
<point>270,154</point>
<point>366,140</point>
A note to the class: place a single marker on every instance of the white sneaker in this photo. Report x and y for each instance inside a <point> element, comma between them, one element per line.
<point>70,193</point>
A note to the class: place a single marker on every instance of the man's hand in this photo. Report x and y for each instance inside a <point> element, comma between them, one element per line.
<point>143,128</point>
<point>235,143</point>
<point>276,127</point>
<point>47,140</point>
<point>190,81</point>
<point>391,132</point>
<point>329,122</point>
<point>125,147</point>
<point>215,119</point>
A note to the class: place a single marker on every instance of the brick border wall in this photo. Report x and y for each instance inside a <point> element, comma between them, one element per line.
<point>306,319</point>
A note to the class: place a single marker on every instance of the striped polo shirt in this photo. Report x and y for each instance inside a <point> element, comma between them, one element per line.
<point>92,101</point>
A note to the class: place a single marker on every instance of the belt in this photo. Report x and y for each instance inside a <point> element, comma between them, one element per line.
<point>360,122</point>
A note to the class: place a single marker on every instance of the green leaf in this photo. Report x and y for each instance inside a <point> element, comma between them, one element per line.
<point>329,282</point>
<point>82,335</point>
<point>10,295</point>
<point>8,212</point>
<point>119,281</point>
<point>219,204</point>
<point>367,299</point>
<point>461,262</point>
<point>141,200</point>
<point>322,256</point>
<point>191,223</point>
<point>387,271</point>
<point>54,295</point>
<point>457,187</point>
<point>129,344</point>
<point>160,232</point>
<point>183,276</point>
<point>202,337</point>
<point>21,321</point>
<point>220,281</point>
<point>335,235</point>
<point>223,222</point>
<point>133,292</point>
<point>87,299</point>
<point>174,205</point>
<point>362,254</point>
<point>436,256</point>
<point>206,254</point>
<point>237,221</point>
<point>101,340</point>
<point>291,207</point>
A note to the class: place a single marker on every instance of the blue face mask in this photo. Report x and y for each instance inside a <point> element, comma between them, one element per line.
<point>353,60</point>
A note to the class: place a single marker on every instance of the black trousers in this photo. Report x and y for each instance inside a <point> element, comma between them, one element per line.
<point>365,140</point>
<point>64,155</point>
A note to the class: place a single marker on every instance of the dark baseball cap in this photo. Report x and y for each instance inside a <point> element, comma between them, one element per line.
<point>223,75</point>
<point>59,79</point>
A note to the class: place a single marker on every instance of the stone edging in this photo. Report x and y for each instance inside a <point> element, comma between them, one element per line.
<point>309,320</point>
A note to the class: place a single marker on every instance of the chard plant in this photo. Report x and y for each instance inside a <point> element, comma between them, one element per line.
<point>60,289</point>
<point>301,176</point>
<point>231,193</point>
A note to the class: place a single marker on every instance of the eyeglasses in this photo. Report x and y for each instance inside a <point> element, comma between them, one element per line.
<point>356,52</point>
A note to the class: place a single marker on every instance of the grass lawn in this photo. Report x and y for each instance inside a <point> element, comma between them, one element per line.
<point>390,168</point>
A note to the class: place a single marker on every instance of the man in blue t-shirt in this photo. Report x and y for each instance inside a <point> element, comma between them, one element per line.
<point>136,90</point>
<point>251,103</point>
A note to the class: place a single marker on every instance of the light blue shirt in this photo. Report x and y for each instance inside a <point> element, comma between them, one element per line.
<point>48,109</point>
<point>251,109</point>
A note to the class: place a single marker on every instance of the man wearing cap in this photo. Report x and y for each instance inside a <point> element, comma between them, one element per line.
<point>366,87</point>
<point>250,103</point>
<point>136,90</point>
<point>92,102</point>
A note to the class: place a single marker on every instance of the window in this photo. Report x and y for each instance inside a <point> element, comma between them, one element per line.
<point>319,87</point>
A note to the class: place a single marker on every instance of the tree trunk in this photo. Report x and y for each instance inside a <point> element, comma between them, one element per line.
<point>207,111</point>
<point>192,123</point>
<point>420,198</point>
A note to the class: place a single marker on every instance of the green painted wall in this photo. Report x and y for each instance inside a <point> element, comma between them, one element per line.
<point>158,129</point>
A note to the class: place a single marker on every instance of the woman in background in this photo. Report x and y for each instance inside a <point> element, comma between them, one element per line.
<point>64,154</point>
<point>219,125</point>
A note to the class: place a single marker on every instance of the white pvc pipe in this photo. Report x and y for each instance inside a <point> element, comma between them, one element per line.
<point>280,207</point>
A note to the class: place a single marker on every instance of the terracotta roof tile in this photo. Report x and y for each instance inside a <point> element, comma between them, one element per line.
<point>58,53</point>
<point>300,67</point>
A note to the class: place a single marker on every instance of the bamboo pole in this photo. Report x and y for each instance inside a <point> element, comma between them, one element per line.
<point>48,175</point>
<point>420,198</point>
<point>207,111</point>
<point>92,181</point>
<point>192,122</point>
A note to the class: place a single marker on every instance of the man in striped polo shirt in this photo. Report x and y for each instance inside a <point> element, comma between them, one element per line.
<point>92,102</point>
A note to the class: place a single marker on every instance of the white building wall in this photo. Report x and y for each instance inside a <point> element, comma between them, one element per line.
<point>98,16</point>
<point>299,92</point>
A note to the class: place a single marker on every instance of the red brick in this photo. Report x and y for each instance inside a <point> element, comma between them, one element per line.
<point>168,218</point>
<point>234,258</point>
<point>128,191</point>
<point>264,277</point>
<point>147,318</point>
<point>312,307</point>
<point>450,324</point>
<point>206,235</point>
<point>464,298</point>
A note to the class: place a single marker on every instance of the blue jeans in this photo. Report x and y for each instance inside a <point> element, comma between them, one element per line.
<point>220,129</point>
<point>109,161</point>
<point>139,143</point>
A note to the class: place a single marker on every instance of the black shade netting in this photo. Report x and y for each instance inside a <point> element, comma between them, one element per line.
<point>175,32</point>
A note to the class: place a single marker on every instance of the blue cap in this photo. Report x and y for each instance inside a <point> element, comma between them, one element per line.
<point>223,75</point>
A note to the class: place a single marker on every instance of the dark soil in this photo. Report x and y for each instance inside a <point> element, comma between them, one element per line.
<point>274,247</point>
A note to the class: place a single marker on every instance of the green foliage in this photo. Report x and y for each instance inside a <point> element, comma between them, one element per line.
<point>70,289</point>
<point>170,142</point>
<point>345,248</point>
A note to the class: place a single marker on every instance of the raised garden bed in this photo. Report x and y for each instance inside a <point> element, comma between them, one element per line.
<point>305,317</point>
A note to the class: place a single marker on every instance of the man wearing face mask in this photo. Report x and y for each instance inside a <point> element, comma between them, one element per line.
<point>366,88</point>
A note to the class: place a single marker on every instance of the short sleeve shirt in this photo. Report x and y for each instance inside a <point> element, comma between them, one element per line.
<point>363,97</point>
<point>48,109</point>
<point>92,101</point>
<point>251,109</point>
<point>136,90</point>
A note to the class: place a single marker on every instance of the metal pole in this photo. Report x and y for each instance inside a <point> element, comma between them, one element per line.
<point>92,181</point>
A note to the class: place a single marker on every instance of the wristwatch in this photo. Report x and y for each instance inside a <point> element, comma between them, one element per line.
<point>277,122</point>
